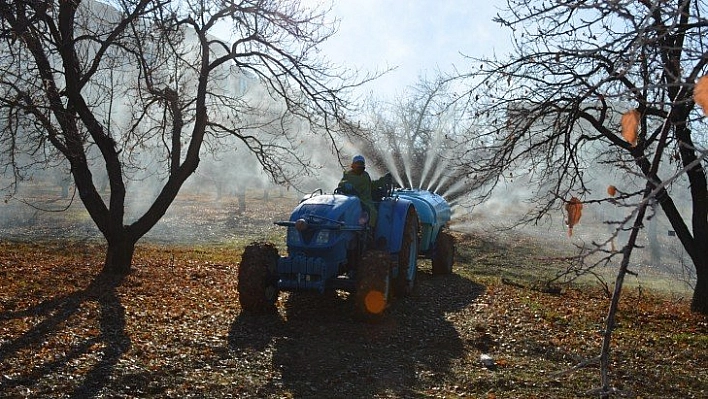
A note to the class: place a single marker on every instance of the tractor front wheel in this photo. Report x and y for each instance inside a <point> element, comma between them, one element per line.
<point>257,278</point>
<point>373,286</point>
<point>444,253</point>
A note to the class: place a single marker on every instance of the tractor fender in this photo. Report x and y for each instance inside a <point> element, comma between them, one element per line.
<point>391,220</point>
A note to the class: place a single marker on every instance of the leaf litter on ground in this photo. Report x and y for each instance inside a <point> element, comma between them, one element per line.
<point>173,328</point>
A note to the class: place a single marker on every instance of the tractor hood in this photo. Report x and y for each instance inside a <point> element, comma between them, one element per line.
<point>335,211</point>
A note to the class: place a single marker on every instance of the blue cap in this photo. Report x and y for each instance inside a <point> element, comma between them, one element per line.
<point>358,159</point>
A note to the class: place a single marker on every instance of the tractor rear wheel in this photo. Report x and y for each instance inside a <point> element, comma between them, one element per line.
<point>373,286</point>
<point>257,278</point>
<point>444,253</point>
<point>408,257</point>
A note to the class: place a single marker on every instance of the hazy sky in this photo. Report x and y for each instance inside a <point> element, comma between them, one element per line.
<point>416,36</point>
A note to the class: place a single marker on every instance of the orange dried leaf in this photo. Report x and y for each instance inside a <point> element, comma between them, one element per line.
<point>700,93</point>
<point>574,208</point>
<point>630,124</point>
<point>611,190</point>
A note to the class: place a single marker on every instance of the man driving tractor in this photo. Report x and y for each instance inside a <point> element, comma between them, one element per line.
<point>357,181</point>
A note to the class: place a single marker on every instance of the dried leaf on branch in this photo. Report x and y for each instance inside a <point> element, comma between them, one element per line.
<point>630,125</point>
<point>700,93</point>
<point>574,208</point>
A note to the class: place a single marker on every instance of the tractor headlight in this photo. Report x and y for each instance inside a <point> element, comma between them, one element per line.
<point>322,237</point>
<point>294,236</point>
<point>301,225</point>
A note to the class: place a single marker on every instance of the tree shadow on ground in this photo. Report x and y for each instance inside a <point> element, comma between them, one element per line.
<point>97,355</point>
<point>320,350</point>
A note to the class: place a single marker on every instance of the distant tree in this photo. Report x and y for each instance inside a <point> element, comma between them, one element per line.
<point>412,138</point>
<point>149,86</point>
<point>553,109</point>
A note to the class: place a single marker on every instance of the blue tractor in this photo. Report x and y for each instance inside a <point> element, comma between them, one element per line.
<point>330,246</point>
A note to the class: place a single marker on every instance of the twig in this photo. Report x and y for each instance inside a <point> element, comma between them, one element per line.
<point>577,367</point>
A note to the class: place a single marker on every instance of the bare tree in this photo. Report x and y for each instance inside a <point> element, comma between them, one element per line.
<point>412,138</point>
<point>553,108</point>
<point>595,91</point>
<point>148,86</point>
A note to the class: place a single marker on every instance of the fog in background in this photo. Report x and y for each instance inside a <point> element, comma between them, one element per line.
<point>605,219</point>
<point>45,194</point>
<point>223,177</point>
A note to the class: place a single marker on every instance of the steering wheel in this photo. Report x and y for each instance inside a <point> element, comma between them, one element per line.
<point>346,189</point>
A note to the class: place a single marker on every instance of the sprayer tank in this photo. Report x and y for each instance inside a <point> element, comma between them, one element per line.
<point>433,213</point>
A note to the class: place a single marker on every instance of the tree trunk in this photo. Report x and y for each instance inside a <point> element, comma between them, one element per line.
<point>119,256</point>
<point>65,184</point>
<point>614,303</point>
<point>694,244</point>
<point>699,303</point>
<point>241,201</point>
<point>654,244</point>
